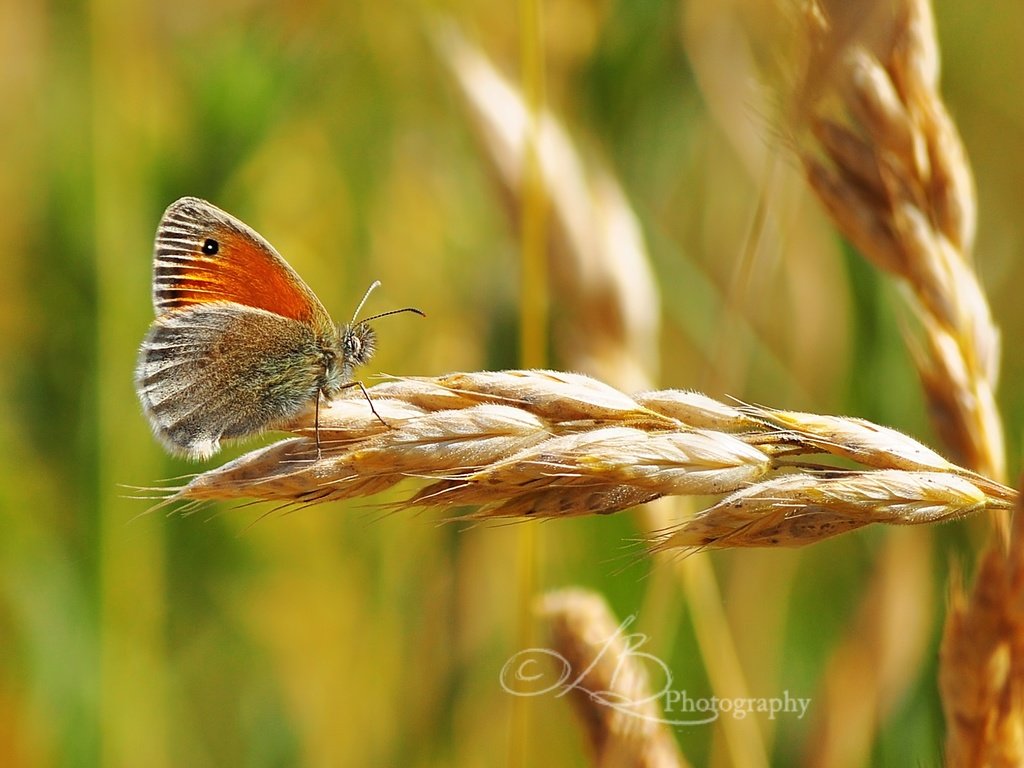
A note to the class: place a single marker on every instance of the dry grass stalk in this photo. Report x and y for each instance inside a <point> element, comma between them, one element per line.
<point>886,161</point>
<point>603,279</point>
<point>611,691</point>
<point>599,260</point>
<point>880,656</point>
<point>889,166</point>
<point>981,675</point>
<point>550,444</point>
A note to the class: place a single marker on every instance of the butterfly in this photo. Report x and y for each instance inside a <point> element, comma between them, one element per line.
<point>240,343</point>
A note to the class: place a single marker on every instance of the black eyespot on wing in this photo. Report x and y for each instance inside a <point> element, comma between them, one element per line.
<point>210,247</point>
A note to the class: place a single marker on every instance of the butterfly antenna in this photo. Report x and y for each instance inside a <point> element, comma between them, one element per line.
<point>371,289</point>
<point>373,286</point>
<point>415,311</point>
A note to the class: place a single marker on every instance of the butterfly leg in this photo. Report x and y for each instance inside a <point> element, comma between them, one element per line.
<point>369,401</point>
<point>316,426</point>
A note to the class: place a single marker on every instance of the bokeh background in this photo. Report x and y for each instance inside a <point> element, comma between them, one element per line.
<point>336,636</point>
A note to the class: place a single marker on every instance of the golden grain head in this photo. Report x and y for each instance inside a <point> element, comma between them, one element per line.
<point>882,154</point>
<point>549,444</point>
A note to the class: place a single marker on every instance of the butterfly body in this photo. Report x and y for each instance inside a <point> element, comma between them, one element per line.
<point>240,343</point>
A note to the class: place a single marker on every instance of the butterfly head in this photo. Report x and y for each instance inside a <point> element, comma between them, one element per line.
<point>358,343</point>
<point>358,340</point>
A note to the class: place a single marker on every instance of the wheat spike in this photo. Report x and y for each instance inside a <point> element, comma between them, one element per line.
<point>886,161</point>
<point>981,671</point>
<point>610,690</point>
<point>888,165</point>
<point>549,444</point>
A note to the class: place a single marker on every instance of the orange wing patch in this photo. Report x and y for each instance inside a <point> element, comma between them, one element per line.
<point>204,255</point>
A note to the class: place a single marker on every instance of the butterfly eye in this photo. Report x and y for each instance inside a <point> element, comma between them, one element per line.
<point>210,247</point>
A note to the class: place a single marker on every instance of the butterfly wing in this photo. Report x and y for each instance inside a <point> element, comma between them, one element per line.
<point>204,255</point>
<point>240,343</point>
<point>219,370</point>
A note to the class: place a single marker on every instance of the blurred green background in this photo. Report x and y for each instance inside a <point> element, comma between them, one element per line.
<point>333,636</point>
